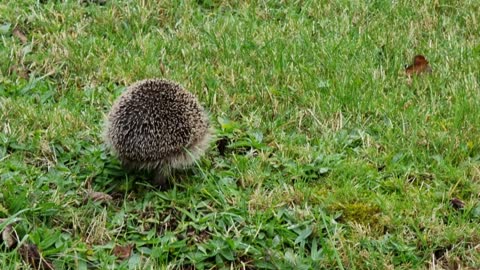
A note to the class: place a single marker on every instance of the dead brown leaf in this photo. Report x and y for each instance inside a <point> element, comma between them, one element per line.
<point>20,71</point>
<point>20,35</point>
<point>97,197</point>
<point>31,255</point>
<point>9,236</point>
<point>457,204</point>
<point>123,252</point>
<point>419,66</point>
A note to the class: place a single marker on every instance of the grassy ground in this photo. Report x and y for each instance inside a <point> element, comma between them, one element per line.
<point>333,160</point>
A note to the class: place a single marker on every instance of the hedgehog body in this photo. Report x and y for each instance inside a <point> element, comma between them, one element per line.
<point>157,125</point>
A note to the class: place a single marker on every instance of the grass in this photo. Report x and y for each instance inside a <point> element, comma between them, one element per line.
<point>333,160</point>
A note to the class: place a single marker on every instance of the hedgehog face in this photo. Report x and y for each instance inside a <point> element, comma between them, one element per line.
<point>157,123</point>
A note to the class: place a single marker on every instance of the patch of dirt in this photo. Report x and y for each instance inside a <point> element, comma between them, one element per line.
<point>194,236</point>
<point>31,255</point>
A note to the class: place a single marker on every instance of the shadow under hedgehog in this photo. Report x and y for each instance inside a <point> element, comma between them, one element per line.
<point>157,125</point>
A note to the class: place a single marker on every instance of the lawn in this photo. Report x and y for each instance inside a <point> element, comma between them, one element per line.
<point>325,157</point>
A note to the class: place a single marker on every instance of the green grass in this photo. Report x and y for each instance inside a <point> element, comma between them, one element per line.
<point>334,161</point>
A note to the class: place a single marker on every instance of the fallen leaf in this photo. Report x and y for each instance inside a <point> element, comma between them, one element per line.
<point>457,204</point>
<point>123,252</point>
<point>31,255</point>
<point>419,66</point>
<point>20,35</point>
<point>98,197</point>
<point>9,236</point>
<point>21,72</point>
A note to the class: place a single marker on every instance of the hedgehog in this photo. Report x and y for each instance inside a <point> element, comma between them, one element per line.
<point>159,126</point>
